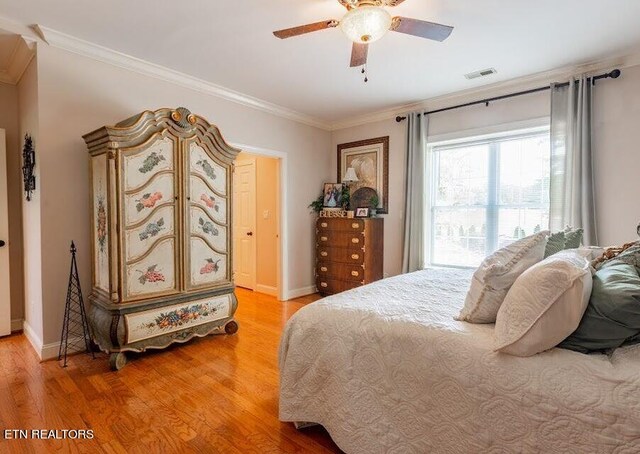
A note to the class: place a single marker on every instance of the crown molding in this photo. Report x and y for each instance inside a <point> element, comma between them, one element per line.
<point>23,51</point>
<point>87,49</point>
<point>495,89</point>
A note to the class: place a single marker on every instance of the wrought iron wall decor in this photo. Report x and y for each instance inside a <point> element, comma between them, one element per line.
<point>28,164</point>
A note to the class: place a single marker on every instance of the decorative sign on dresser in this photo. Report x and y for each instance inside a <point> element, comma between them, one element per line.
<point>349,253</point>
<point>161,217</point>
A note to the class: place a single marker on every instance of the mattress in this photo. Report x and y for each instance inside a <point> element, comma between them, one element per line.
<point>386,369</point>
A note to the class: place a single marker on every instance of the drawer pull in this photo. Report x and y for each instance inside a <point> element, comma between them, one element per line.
<point>324,253</point>
<point>355,274</point>
<point>323,284</point>
<point>323,238</point>
<point>324,225</point>
<point>355,240</point>
<point>323,269</point>
<point>355,225</point>
<point>355,256</point>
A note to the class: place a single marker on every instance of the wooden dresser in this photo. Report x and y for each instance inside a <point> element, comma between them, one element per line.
<point>349,253</point>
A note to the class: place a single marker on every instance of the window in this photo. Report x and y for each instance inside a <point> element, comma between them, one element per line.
<point>486,193</point>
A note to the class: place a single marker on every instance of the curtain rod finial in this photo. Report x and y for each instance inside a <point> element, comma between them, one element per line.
<point>615,73</point>
<point>399,118</point>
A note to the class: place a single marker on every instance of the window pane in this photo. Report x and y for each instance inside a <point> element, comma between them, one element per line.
<point>524,171</point>
<point>461,176</point>
<point>487,195</point>
<point>459,236</point>
<point>516,223</point>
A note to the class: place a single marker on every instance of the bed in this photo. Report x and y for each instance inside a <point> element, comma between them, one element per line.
<point>386,368</point>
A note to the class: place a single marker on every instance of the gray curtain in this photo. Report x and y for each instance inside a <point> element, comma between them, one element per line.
<point>572,186</point>
<point>415,202</point>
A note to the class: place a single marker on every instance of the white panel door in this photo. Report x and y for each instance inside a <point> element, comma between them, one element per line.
<point>244,225</point>
<point>5,302</point>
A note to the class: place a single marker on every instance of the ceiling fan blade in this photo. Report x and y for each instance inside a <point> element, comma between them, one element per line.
<point>421,28</point>
<point>301,30</point>
<point>392,2</point>
<point>359,54</point>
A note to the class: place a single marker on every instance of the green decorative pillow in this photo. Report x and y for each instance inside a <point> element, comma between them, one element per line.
<point>555,244</point>
<point>573,238</point>
<point>612,317</point>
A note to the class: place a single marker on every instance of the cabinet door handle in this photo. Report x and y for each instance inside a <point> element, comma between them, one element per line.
<point>355,274</point>
<point>323,284</point>
<point>323,238</point>
<point>323,269</point>
<point>355,225</point>
<point>324,254</point>
<point>355,256</point>
<point>2,243</point>
<point>323,225</point>
<point>355,240</point>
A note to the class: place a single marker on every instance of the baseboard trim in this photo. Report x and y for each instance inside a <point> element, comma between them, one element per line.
<point>267,290</point>
<point>16,325</point>
<point>303,291</point>
<point>33,338</point>
<point>50,351</point>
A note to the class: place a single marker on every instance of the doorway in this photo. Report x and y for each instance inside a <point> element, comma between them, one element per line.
<point>5,300</point>
<point>256,223</point>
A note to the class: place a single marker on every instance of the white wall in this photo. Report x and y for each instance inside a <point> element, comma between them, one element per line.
<point>617,156</point>
<point>78,95</point>
<point>31,226</point>
<point>616,147</point>
<point>9,122</point>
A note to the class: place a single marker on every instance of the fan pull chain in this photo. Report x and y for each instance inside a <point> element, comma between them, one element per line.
<point>364,71</point>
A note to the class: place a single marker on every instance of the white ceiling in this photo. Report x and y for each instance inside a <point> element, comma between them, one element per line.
<point>230,43</point>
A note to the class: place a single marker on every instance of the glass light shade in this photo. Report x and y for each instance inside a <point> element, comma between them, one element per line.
<point>366,24</point>
<point>350,176</point>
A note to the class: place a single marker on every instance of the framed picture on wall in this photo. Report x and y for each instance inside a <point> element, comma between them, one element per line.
<point>370,160</point>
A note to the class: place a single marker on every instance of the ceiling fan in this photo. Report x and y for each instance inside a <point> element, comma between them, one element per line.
<point>367,21</point>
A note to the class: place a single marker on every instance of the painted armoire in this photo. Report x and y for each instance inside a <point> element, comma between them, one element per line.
<point>161,222</point>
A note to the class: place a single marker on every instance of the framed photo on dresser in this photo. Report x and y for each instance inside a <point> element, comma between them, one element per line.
<point>362,212</point>
<point>370,160</point>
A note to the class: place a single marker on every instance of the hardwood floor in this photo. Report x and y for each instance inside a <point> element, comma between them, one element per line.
<point>217,394</point>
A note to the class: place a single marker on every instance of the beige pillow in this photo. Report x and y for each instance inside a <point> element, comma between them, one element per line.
<point>496,275</point>
<point>545,304</point>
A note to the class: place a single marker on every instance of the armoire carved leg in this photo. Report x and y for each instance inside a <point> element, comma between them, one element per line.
<point>231,327</point>
<point>117,360</point>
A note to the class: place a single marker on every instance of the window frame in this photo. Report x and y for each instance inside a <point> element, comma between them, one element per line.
<point>462,139</point>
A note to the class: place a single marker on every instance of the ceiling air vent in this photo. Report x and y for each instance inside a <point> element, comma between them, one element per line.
<point>481,73</point>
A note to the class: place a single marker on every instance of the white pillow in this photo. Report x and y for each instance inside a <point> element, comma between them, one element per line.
<point>496,275</point>
<point>545,305</point>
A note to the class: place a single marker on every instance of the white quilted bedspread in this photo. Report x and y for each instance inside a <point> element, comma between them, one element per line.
<point>385,368</point>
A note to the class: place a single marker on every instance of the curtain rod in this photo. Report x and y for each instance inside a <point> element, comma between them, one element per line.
<point>613,75</point>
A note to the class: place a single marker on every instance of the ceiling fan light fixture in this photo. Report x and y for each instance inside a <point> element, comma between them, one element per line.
<point>366,24</point>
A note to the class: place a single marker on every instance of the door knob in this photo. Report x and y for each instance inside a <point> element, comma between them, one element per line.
<point>2,243</point>
<point>249,233</point>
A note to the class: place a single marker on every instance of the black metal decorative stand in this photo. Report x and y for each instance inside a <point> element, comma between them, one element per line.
<point>75,327</point>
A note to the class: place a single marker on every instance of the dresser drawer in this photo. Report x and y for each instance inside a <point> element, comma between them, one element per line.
<point>331,286</point>
<point>335,270</point>
<point>337,225</point>
<point>353,256</point>
<point>341,239</point>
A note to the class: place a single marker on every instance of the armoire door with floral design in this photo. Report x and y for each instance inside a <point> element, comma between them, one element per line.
<point>149,218</point>
<point>207,219</point>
